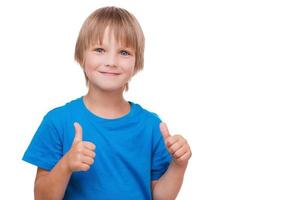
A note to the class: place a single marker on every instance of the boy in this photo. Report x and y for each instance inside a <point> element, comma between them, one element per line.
<point>100,146</point>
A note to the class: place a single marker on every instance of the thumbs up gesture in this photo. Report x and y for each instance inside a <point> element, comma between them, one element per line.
<point>177,146</point>
<point>82,153</point>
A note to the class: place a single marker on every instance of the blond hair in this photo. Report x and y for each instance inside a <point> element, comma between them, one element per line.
<point>125,28</point>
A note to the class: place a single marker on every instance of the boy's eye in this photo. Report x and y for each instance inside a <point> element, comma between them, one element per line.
<point>124,53</point>
<point>99,50</point>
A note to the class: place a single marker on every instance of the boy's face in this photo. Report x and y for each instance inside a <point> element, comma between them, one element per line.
<point>109,66</point>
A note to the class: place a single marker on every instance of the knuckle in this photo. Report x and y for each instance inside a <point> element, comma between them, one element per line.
<point>85,167</point>
<point>179,136</point>
<point>181,158</point>
<point>172,149</point>
<point>176,155</point>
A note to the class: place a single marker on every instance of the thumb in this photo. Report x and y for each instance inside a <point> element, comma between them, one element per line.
<point>164,130</point>
<point>78,133</point>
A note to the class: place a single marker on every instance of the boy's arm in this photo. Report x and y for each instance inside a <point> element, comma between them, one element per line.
<point>168,186</point>
<point>52,185</point>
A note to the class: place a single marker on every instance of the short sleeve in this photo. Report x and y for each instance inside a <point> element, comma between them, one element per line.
<point>45,148</point>
<point>160,156</point>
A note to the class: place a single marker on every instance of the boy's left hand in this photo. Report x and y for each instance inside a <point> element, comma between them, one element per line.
<point>177,146</point>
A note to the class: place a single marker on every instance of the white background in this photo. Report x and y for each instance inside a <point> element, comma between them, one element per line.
<point>224,74</point>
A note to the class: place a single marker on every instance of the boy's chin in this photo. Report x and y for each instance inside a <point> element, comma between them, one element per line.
<point>111,88</point>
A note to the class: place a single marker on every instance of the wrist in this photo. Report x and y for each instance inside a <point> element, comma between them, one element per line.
<point>179,165</point>
<point>65,165</point>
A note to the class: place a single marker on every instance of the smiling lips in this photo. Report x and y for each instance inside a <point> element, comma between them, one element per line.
<point>110,73</point>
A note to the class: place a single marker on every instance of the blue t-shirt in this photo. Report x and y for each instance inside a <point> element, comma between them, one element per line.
<point>130,151</point>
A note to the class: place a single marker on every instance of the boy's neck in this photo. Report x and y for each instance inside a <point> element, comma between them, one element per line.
<point>106,104</point>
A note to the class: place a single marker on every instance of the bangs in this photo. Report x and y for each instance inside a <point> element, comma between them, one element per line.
<point>122,31</point>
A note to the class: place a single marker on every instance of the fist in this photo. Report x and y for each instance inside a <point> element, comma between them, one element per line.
<point>177,146</point>
<point>81,155</point>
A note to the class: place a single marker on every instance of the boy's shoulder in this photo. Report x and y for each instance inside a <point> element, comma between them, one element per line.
<point>62,110</point>
<point>153,116</point>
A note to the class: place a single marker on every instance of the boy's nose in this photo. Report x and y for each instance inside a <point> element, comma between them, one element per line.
<point>110,60</point>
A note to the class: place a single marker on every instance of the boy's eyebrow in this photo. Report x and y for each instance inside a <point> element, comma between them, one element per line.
<point>127,48</point>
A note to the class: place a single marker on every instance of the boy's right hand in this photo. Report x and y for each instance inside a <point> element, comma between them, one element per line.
<point>82,153</point>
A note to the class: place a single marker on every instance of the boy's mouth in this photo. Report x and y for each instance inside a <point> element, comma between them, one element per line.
<point>110,73</point>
